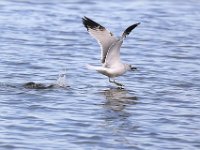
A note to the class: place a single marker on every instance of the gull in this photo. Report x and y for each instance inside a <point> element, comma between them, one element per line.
<point>112,65</point>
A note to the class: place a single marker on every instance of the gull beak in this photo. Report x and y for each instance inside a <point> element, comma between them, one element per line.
<point>133,68</point>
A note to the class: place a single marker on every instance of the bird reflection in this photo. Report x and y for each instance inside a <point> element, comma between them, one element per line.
<point>117,99</point>
<point>117,120</point>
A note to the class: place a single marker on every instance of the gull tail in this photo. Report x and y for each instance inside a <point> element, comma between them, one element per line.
<point>97,68</point>
<point>90,67</point>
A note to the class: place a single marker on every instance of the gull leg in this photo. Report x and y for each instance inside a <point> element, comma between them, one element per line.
<point>116,83</point>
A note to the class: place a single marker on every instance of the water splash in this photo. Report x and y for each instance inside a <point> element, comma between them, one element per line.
<point>62,81</point>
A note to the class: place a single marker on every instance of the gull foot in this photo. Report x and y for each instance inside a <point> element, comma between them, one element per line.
<point>116,83</point>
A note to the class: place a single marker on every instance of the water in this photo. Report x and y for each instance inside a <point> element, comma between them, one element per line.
<point>159,107</point>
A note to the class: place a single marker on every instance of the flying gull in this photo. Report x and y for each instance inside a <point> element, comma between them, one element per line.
<point>112,65</point>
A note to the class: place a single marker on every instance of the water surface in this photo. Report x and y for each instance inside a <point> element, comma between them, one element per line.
<point>159,107</point>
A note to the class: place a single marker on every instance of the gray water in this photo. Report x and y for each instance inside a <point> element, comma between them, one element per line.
<point>159,106</point>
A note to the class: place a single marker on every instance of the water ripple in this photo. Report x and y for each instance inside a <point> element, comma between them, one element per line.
<point>159,107</point>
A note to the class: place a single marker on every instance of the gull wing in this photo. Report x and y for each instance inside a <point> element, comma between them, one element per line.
<point>113,55</point>
<point>129,29</point>
<point>104,37</point>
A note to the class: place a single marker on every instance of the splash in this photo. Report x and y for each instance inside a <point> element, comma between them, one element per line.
<point>61,81</point>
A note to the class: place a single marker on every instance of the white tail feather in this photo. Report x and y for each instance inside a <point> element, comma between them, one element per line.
<point>97,68</point>
<point>90,67</point>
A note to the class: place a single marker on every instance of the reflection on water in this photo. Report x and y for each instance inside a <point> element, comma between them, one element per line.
<point>116,117</point>
<point>118,99</point>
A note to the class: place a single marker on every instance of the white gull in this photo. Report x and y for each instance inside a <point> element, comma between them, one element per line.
<point>112,65</point>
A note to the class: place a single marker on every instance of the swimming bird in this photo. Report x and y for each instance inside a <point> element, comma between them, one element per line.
<point>112,65</point>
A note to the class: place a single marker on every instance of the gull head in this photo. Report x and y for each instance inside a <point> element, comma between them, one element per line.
<point>130,67</point>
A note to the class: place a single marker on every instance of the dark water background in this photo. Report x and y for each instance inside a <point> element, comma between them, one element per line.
<point>159,107</point>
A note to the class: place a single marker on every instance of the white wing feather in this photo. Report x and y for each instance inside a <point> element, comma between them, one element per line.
<point>113,55</point>
<point>104,37</point>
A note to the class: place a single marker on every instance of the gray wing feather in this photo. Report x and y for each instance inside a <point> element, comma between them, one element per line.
<point>113,55</point>
<point>104,37</point>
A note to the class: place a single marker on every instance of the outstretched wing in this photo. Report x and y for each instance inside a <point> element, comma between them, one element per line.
<point>113,55</point>
<point>129,29</point>
<point>104,37</point>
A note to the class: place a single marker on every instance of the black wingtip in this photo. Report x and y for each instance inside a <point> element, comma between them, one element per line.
<point>129,29</point>
<point>89,23</point>
<point>138,23</point>
<point>84,20</point>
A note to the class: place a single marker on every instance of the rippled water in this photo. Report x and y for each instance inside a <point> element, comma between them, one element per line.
<point>159,107</point>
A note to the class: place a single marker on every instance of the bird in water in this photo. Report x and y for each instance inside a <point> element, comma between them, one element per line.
<point>61,82</point>
<point>33,85</point>
<point>112,65</point>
